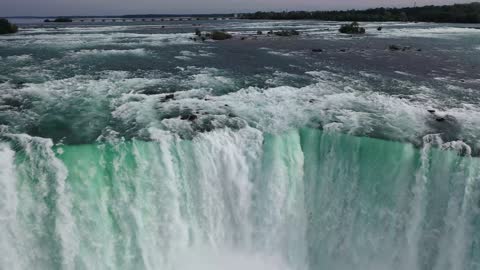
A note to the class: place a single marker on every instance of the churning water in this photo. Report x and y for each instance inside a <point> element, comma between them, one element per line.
<point>266,156</point>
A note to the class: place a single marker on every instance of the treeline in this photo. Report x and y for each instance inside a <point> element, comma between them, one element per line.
<point>175,15</point>
<point>458,13</point>
<point>6,27</point>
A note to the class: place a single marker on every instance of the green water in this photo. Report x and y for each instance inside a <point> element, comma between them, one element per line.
<point>227,199</point>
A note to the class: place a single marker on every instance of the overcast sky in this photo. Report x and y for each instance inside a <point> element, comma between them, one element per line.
<point>10,8</point>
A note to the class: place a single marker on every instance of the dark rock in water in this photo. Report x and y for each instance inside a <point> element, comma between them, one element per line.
<point>168,97</point>
<point>317,50</point>
<point>259,32</point>
<point>270,32</point>
<point>379,28</point>
<point>419,50</point>
<point>287,33</point>
<point>198,32</point>
<point>189,117</point>
<point>398,48</point>
<point>219,35</point>
<point>353,28</point>
<point>343,50</point>
<point>19,84</point>
<point>394,48</point>
<point>431,110</point>
<point>311,101</point>
<point>446,125</point>
<point>243,38</point>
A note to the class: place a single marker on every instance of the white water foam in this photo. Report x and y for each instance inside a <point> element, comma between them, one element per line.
<point>8,210</point>
<point>103,53</point>
<point>82,40</point>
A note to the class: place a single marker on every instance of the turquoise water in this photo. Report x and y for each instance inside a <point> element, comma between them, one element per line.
<point>267,156</point>
<point>305,199</point>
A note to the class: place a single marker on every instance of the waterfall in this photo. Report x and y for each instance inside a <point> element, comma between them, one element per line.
<point>238,199</point>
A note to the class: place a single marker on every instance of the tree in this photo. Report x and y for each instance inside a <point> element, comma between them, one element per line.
<point>6,27</point>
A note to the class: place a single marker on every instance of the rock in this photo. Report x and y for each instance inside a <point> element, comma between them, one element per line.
<point>431,110</point>
<point>168,97</point>
<point>394,48</point>
<point>317,50</point>
<point>287,33</point>
<point>419,50</point>
<point>243,38</point>
<point>270,32</point>
<point>447,126</point>
<point>189,117</point>
<point>198,32</point>
<point>379,28</point>
<point>353,28</point>
<point>259,32</point>
<point>343,50</point>
<point>219,35</point>
<point>398,48</point>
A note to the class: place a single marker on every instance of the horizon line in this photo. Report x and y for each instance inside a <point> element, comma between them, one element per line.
<point>226,13</point>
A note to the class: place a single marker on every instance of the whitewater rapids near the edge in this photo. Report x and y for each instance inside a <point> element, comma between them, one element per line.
<point>305,199</point>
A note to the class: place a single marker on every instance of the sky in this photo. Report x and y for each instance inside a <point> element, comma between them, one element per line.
<point>10,8</point>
